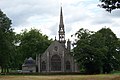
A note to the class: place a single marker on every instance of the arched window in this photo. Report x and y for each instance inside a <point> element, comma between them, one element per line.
<point>43,66</point>
<point>55,63</point>
<point>68,68</point>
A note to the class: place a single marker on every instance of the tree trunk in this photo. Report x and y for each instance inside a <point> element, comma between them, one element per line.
<point>7,70</point>
<point>1,69</point>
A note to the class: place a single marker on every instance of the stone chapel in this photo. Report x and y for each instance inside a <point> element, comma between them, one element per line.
<point>57,57</point>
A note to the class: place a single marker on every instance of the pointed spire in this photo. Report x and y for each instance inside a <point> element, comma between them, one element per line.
<point>61,29</point>
<point>61,17</point>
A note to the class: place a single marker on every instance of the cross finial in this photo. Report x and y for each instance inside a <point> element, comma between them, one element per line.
<point>61,3</point>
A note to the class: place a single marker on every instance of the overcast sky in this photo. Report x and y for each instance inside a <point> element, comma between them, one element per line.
<point>44,15</point>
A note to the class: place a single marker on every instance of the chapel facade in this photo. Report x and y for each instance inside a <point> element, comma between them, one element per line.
<point>57,57</point>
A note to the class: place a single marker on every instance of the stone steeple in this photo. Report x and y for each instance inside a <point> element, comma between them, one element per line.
<point>61,29</point>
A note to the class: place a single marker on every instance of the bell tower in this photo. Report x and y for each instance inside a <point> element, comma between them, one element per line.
<point>61,30</point>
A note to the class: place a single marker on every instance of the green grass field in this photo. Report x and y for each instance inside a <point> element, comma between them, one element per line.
<point>62,77</point>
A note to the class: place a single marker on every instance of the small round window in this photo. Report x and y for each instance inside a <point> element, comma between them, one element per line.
<point>55,48</point>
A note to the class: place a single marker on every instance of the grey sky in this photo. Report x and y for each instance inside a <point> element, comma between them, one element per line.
<point>44,15</point>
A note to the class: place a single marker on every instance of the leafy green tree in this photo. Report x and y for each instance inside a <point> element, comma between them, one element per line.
<point>110,5</point>
<point>6,41</point>
<point>32,43</point>
<point>84,53</point>
<point>15,56</point>
<point>112,54</point>
<point>97,52</point>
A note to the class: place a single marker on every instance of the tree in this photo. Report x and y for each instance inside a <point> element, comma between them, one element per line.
<point>6,41</point>
<point>111,56</point>
<point>97,52</point>
<point>84,53</point>
<point>110,5</point>
<point>15,56</point>
<point>31,43</point>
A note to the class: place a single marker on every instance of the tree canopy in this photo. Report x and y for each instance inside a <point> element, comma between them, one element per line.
<point>97,52</point>
<point>6,41</point>
<point>110,5</point>
<point>32,43</point>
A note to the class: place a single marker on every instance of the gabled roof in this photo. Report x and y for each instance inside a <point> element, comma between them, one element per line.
<point>54,43</point>
<point>29,62</point>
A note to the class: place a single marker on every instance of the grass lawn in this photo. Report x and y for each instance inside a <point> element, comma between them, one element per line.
<point>62,77</point>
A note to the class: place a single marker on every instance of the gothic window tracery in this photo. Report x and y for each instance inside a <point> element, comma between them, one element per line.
<point>56,63</point>
<point>68,66</point>
<point>43,66</point>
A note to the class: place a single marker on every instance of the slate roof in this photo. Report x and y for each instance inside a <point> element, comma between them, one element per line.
<point>29,62</point>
